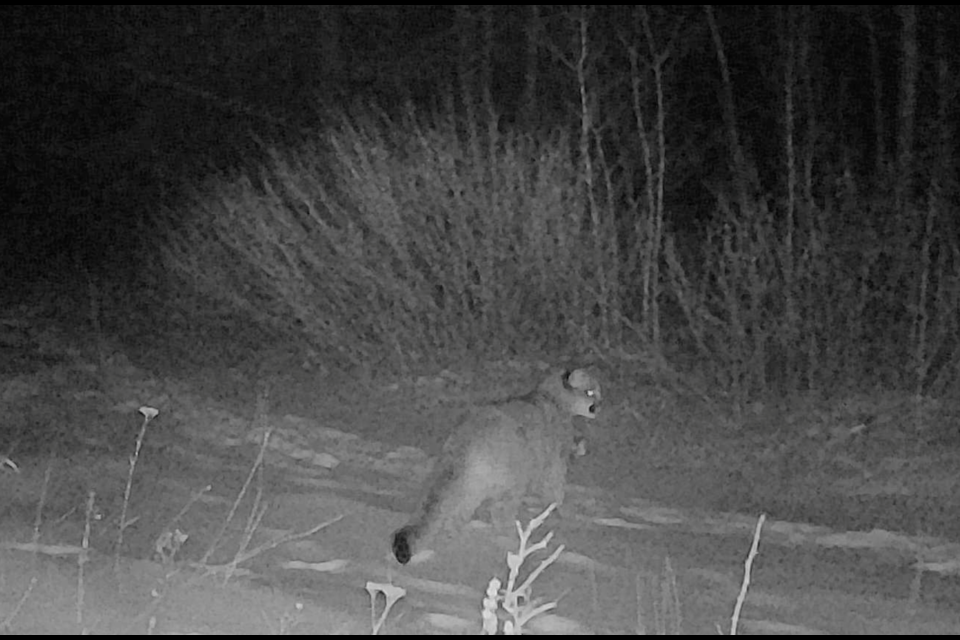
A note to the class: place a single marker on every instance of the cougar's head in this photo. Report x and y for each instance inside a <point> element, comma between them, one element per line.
<point>582,392</point>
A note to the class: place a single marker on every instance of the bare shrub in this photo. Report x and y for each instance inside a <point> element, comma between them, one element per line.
<point>843,311</point>
<point>404,240</point>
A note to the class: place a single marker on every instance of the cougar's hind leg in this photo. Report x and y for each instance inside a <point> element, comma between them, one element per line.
<point>505,511</point>
<point>458,507</point>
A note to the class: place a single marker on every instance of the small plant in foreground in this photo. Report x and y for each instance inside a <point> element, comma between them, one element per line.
<point>515,600</point>
<point>258,510</point>
<point>747,568</point>
<point>148,413</point>
<point>666,616</point>
<point>391,595</point>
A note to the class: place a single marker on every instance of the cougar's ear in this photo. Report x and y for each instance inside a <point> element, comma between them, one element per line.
<point>578,379</point>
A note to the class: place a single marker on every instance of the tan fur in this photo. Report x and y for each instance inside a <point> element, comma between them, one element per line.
<point>500,453</point>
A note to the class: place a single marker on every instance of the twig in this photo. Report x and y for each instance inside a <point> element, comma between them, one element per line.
<point>748,565</point>
<point>43,499</point>
<point>5,626</point>
<point>236,503</point>
<point>82,559</point>
<point>148,413</point>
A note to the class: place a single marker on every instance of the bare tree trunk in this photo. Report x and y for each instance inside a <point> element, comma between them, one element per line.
<point>908,103</point>
<point>329,17</point>
<point>486,64</point>
<point>528,103</point>
<point>938,301</point>
<point>729,111</point>
<point>788,47</point>
<point>465,73</point>
<point>650,226</point>
<point>582,25</point>
<point>877,80</point>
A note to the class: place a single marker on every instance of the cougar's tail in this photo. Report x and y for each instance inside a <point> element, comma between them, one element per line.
<point>406,539</point>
